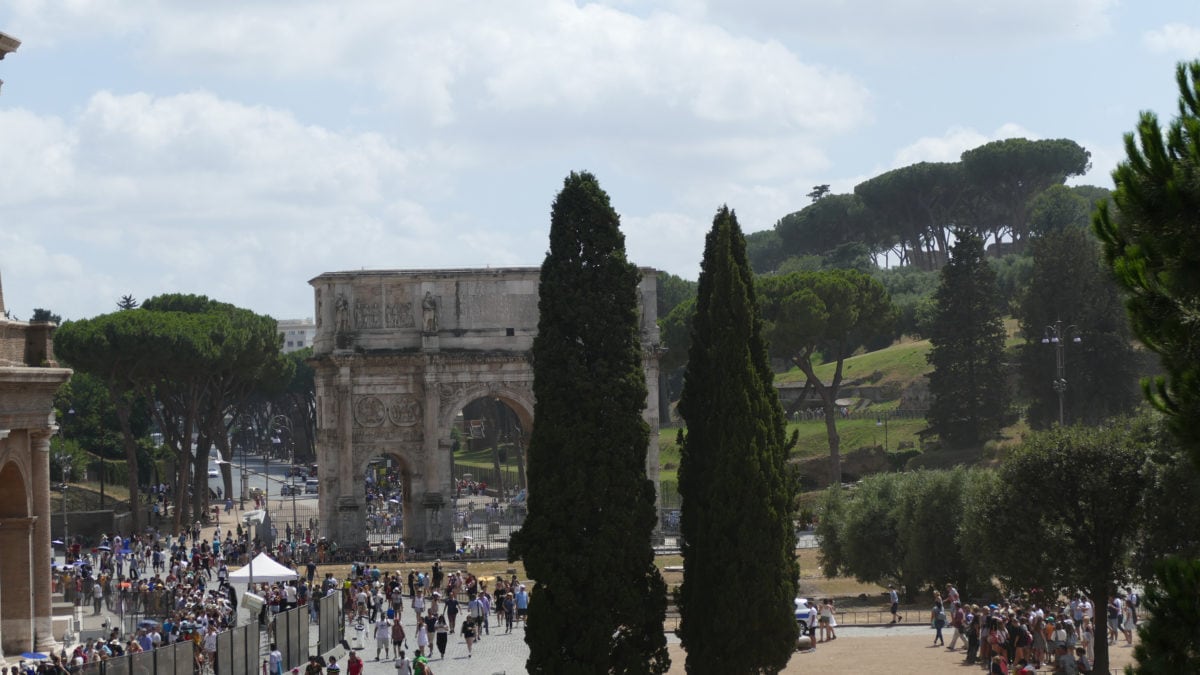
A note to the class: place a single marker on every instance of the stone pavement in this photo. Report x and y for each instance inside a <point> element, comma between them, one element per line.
<point>495,653</point>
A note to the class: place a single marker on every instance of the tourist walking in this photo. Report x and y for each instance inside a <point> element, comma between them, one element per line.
<point>383,636</point>
<point>468,633</point>
<point>938,618</point>
<point>894,597</point>
<point>441,636</point>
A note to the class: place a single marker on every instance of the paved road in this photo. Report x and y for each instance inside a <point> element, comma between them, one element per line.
<point>495,653</point>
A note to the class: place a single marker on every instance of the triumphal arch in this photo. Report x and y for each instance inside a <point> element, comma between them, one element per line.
<point>398,354</point>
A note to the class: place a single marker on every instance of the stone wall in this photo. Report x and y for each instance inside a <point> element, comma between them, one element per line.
<point>26,344</point>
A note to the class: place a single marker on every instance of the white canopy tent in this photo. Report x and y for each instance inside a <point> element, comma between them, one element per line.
<point>262,569</point>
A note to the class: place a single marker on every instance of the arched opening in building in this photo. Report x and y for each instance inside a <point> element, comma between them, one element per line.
<point>490,436</point>
<point>16,565</point>
<point>387,482</point>
<point>14,498</point>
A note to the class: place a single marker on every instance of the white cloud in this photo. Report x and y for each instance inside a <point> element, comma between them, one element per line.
<point>927,25</point>
<point>1173,38</point>
<point>196,194</point>
<point>949,146</point>
<point>448,62</point>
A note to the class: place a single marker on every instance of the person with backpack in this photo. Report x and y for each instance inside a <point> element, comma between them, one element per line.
<point>938,618</point>
<point>421,666</point>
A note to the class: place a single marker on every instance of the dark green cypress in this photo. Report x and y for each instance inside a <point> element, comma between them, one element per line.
<point>968,382</point>
<point>599,602</point>
<point>740,569</point>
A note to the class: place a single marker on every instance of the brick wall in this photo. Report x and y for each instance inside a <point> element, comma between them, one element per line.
<point>26,344</point>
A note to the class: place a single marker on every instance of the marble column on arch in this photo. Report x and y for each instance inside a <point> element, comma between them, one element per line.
<point>16,571</point>
<point>40,540</point>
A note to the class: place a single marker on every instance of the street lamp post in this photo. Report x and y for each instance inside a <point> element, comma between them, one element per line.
<point>64,464</point>
<point>1057,335</point>
<point>882,421</point>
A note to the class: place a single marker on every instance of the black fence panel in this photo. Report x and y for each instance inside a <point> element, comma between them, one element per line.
<point>331,628</point>
<point>118,665</point>
<point>142,663</point>
<point>225,653</point>
<point>277,632</point>
<point>183,657</point>
<point>239,663</point>
<point>163,662</point>
<point>253,650</point>
<point>298,640</point>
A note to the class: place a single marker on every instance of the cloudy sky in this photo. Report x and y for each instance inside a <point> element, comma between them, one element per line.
<point>238,148</point>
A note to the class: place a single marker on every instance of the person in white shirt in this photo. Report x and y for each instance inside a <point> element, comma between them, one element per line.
<point>403,665</point>
<point>383,636</point>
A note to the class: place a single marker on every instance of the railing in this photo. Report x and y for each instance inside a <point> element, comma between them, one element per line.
<point>331,626</point>
<point>289,632</point>
<point>175,659</point>
<point>239,651</point>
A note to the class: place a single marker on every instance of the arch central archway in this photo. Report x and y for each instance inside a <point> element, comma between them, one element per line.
<point>399,354</point>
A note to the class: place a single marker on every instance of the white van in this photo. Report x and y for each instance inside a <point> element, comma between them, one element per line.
<point>312,486</point>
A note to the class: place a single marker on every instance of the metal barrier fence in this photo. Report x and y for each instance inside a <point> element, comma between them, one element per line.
<point>331,628</point>
<point>291,636</point>
<point>176,659</point>
<point>239,651</point>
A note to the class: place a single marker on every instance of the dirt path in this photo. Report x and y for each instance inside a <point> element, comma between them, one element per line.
<point>905,651</point>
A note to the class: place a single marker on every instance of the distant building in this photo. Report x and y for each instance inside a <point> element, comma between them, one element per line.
<point>297,333</point>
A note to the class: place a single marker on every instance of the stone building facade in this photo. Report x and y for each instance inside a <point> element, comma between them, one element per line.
<point>29,377</point>
<point>398,354</point>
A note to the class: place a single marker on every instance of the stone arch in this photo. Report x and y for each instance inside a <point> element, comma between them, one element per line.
<point>406,469</point>
<point>517,396</point>
<point>398,354</point>
<point>14,498</point>
<point>16,530</point>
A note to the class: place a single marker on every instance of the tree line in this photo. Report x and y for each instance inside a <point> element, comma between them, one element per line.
<point>199,371</point>
<point>907,216</point>
<point>1073,509</point>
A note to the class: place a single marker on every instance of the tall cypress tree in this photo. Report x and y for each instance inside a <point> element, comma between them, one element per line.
<point>736,511</point>
<point>968,385</point>
<point>599,602</point>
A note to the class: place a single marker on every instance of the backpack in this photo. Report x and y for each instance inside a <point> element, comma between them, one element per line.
<point>421,668</point>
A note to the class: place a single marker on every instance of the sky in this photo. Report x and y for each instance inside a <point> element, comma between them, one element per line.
<point>239,148</point>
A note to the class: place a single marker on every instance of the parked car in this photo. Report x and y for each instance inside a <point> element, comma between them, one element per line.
<point>806,616</point>
<point>312,486</point>
<point>213,472</point>
<point>287,490</point>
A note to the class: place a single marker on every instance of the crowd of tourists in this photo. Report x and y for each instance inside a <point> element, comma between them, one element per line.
<point>414,615</point>
<point>1021,636</point>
